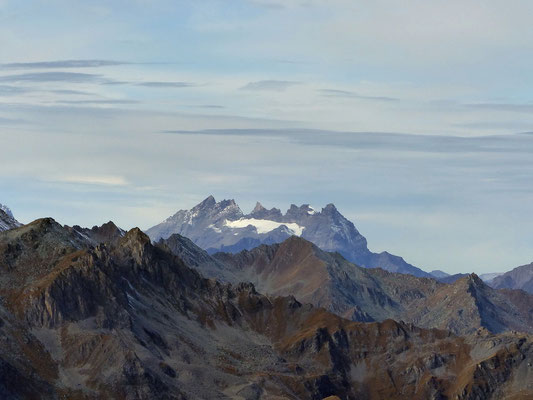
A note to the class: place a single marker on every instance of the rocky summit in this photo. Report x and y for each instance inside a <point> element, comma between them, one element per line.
<point>222,226</point>
<point>7,220</point>
<point>127,319</point>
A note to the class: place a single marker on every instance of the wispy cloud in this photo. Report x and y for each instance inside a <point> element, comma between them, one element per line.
<point>63,64</point>
<point>284,3</point>
<point>208,106</point>
<point>57,76</point>
<point>353,95</point>
<point>106,180</point>
<point>513,107</point>
<point>11,121</point>
<point>8,90</point>
<point>503,126</point>
<point>397,142</point>
<point>71,92</point>
<point>270,85</point>
<point>167,84</point>
<point>81,77</point>
<point>99,102</point>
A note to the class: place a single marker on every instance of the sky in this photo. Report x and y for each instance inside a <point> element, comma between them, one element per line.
<point>414,118</point>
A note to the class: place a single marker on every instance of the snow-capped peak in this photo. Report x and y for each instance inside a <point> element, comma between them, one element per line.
<point>6,210</point>
<point>7,221</point>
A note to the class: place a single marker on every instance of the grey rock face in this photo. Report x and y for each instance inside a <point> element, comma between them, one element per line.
<point>224,227</point>
<point>7,221</point>
<point>518,278</point>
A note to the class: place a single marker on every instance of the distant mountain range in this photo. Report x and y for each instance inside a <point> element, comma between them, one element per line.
<point>128,319</point>
<point>488,277</point>
<point>444,277</point>
<point>7,220</point>
<point>518,278</point>
<point>438,274</point>
<point>222,226</point>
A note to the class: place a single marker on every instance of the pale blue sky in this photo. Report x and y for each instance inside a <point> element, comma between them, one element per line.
<point>409,116</point>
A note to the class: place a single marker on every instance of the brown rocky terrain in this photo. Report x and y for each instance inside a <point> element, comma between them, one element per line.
<point>130,320</point>
<point>297,267</point>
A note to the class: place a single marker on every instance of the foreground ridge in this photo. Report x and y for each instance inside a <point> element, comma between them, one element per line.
<point>128,319</point>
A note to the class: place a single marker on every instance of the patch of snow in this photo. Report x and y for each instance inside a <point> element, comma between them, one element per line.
<point>217,230</point>
<point>191,216</point>
<point>130,300</point>
<point>84,236</point>
<point>131,287</point>
<point>265,225</point>
<point>311,211</point>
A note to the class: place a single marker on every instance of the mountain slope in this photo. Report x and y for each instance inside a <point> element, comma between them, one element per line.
<point>518,278</point>
<point>469,303</point>
<point>299,268</point>
<point>224,227</point>
<point>129,320</point>
<point>7,221</point>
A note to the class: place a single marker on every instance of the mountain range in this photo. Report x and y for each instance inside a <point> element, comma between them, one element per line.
<point>112,315</point>
<point>299,268</point>
<point>222,226</point>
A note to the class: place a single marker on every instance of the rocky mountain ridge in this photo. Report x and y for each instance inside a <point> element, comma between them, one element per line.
<point>222,226</point>
<point>107,233</point>
<point>130,320</point>
<point>299,268</point>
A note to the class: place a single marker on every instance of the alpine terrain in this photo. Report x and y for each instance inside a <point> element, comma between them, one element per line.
<point>127,319</point>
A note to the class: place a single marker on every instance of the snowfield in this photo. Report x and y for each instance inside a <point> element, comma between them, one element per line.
<point>265,225</point>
